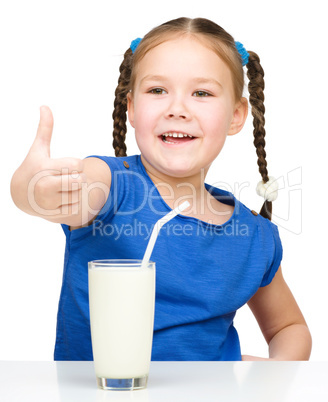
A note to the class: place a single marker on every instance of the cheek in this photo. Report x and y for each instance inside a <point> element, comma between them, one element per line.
<point>216,124</point>
<point>145,115</point>
<point>145,121</point>
<point>219,119</point>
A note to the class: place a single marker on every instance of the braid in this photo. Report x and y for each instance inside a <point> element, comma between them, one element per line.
<point>255,74</point>
<point>120,105</point>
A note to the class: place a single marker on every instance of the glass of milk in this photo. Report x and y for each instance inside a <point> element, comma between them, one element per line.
<point>122,300</point>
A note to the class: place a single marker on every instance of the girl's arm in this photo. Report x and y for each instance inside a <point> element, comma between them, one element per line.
<point>281,322</point>
<point>67,190</point>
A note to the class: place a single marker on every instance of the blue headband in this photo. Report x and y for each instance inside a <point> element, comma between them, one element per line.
<point>240,47</point>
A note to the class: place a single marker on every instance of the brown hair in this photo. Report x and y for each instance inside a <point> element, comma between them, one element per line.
<point>223,45</point>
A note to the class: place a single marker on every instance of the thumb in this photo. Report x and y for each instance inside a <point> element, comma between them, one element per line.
<point>42,140</point>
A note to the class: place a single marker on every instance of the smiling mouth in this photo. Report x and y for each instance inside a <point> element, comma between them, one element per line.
<point>176,138</point>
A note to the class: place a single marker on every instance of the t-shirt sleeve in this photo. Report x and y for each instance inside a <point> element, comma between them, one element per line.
<point>275,254</point>
<point>116,194</point>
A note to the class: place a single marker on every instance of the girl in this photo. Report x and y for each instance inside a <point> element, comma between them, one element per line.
<point>182,88</point>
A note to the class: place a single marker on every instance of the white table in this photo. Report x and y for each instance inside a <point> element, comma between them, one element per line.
<point>169,382</point>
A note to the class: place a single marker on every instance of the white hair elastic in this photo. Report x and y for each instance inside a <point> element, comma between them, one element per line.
<point>268,190</point>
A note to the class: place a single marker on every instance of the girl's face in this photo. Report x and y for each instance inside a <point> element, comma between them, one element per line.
<point>183,107</point>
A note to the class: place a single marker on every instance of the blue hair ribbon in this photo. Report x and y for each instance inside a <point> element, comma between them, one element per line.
<point>243,53</point>
<point>134,44</point>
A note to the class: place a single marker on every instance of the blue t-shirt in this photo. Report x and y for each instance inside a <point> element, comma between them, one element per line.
<point>204,272</point>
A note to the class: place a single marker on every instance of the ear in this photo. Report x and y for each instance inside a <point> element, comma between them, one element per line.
<point>239,116</point>
<point>130,107</point>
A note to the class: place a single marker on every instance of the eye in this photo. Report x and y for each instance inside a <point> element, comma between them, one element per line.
<point>157,91</point>
<point>201,94</point>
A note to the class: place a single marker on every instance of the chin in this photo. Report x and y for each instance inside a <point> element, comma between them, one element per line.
<point>179,170</point>
<point>178,166</point>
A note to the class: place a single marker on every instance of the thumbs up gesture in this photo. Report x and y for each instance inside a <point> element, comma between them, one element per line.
<point>46,187</point>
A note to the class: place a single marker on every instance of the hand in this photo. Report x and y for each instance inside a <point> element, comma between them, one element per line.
<point>43,186</point>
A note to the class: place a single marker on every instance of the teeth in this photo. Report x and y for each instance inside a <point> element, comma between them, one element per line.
<point>179,135</point>
<point>168,142</point>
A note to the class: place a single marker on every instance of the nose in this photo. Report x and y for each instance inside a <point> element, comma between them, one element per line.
<point>178,109</point>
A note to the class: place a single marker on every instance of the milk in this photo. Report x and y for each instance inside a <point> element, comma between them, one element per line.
<point>122,314</point>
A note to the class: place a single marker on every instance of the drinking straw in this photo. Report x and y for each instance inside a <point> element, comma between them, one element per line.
<point>157,228</point>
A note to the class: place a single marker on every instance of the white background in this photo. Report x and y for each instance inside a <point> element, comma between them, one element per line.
<point>66,54</point>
